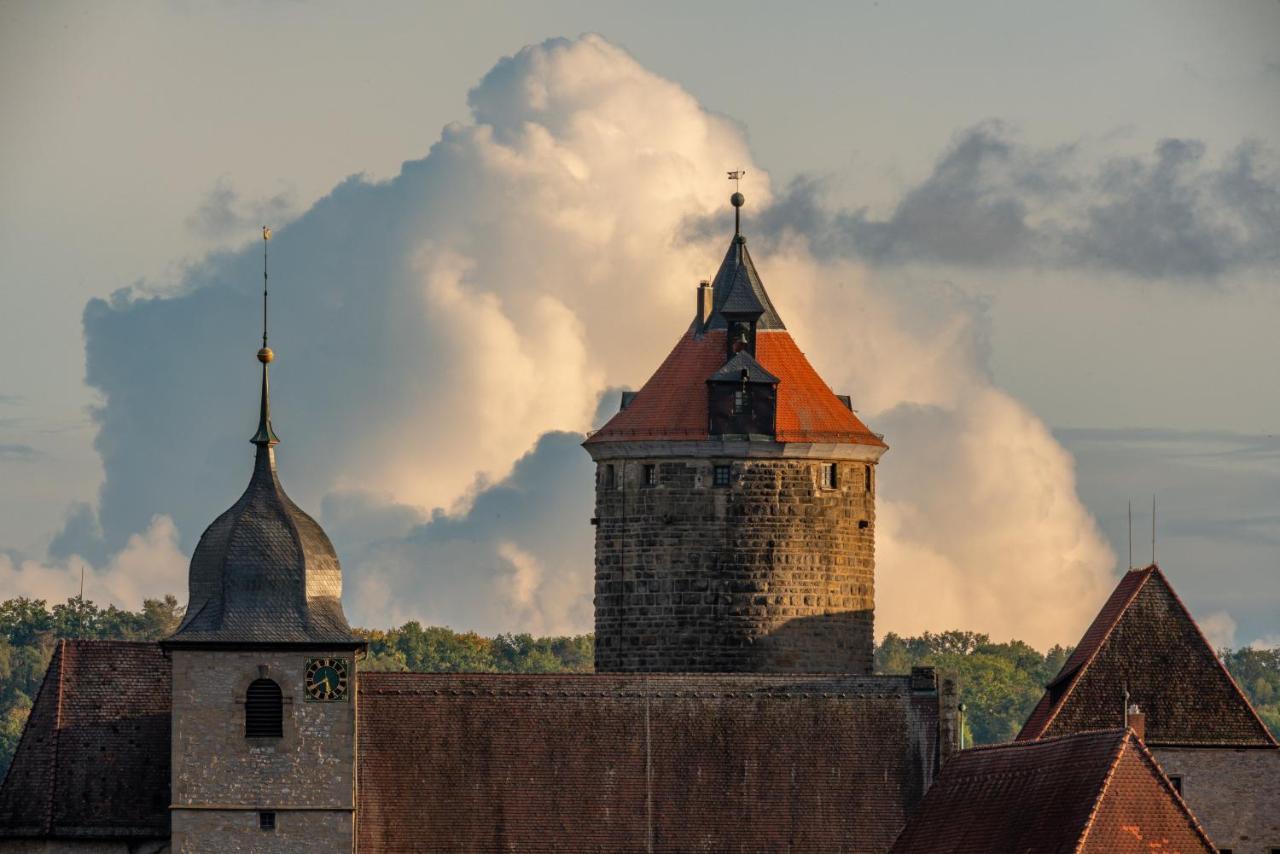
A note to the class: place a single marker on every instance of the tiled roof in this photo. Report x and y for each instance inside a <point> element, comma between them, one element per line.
<point>670,762</point>
<point>93,761</point>
<point>1091,792</point>
<point>264,571</point>
<point>672,405</point>
<point>1146,642</point>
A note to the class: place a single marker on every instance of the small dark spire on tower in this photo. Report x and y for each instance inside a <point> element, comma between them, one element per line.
<point>265,437</point>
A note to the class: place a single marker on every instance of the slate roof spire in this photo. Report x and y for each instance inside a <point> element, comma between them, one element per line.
<point>736,288</point>
<point>264,571</point>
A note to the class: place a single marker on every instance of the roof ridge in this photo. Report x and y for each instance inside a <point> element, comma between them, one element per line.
<point>56,737</point>
<point>1147,756</point>
<point>1039,742</point>
<point>1080,669</point>
<point>1102,792</point>
<point>1266,730</point>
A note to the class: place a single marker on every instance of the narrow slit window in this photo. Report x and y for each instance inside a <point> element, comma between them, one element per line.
<point>870,484</point>
<point>739,402</point>
<point>610,478</point>
<point>650,474</point>
<point>263,710</point>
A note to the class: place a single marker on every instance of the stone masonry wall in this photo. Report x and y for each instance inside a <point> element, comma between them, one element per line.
<point>1235,793</point>
<point>222,780</point>
<point>772,573</point>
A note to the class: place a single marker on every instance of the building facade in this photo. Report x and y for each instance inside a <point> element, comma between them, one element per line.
<point>735,503</point>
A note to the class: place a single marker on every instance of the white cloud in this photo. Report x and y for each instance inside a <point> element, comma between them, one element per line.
<point>150,565</point>
<point>430,329</point>
<point>1219,629</point>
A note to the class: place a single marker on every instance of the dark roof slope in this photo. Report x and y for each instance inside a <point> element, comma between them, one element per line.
<point>1146,642</point>
<point>742,363</point>
<point>93,762</point>
<point>737,290</point>
<point>665,762</point>
<point>264,571</point>
<point>1090,792</point>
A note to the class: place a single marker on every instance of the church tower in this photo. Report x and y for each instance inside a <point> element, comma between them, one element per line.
<point>735,502</point>
<point>264,700</point>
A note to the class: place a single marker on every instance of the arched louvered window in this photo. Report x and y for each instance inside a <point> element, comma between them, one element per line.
<point>263,710</point>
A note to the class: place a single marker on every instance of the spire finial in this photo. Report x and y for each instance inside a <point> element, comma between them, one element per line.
<point>737,199</point>
<point>265,437</point>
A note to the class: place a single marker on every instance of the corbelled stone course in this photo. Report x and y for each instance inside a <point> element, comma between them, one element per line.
<point>771,573</point>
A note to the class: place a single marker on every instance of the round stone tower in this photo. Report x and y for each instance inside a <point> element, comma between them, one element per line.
<point>735,503</point>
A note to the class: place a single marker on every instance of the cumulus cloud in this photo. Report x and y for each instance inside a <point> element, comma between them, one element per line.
<point>444,337</point>
<point>150,565</point>
<point>1219,629</point>
<point>224,214</point>
<point>992,201</point>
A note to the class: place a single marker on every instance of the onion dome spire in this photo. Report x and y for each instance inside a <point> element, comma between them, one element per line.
<point>265,571</point>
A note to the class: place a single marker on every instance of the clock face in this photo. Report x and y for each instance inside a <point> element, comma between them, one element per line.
<point>326,679</point>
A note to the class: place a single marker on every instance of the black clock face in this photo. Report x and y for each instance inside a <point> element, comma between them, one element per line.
<point>326,679</point>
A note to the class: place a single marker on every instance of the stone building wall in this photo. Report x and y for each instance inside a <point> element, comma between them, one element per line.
<point>771,573</point>
<point>1234,792</point>
<point>222,780</point>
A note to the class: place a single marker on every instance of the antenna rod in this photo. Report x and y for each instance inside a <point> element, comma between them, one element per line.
<point>1131,533</point>
<point>266,238</point>
<point>1153,529</point>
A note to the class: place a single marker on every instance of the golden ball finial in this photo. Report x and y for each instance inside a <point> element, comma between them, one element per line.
<point>265,355</point>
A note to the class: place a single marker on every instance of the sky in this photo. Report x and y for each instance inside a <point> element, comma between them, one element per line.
<point>1038,244</point>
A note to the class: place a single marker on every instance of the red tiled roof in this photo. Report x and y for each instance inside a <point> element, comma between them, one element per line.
<point>1098,792</point>
<point>665,762</point>
<point>672,405</point>
<point>93,762</point>
<point>1146,642</point>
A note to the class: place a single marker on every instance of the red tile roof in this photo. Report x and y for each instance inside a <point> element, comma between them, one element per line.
<point>1146,642</point>
<point>93,762</point>
<point>666,762</point>
<point>1099,792</point>
<point>672,405</point>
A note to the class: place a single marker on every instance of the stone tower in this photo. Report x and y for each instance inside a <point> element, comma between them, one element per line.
<point>735,502</point>
<point>264,700</point>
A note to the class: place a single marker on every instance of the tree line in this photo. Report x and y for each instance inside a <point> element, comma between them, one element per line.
<point>999,682</point>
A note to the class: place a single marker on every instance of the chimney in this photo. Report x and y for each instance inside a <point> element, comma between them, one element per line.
<point>1136,721</point>
<point>704,304</point>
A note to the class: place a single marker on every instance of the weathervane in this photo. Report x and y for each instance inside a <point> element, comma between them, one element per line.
<point>737,199</point>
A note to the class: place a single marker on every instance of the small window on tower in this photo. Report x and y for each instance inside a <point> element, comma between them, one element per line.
<point>650,474</point>
<point>1176,780</point>
<point>608,476</point>
<point>828,475</point>
<point>868,481</point>
<point>267,820</point>
<point>739,402</point>
<point>263,710</point>
<point>721,475</point>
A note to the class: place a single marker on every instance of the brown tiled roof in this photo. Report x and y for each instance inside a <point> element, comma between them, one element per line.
<point>672,405</point>
<point>1145,641</point>
<point>93,761</point>
<point>1090,792</point>
<point>665,762</point>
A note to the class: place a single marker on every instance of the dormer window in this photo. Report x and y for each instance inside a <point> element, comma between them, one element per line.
<point>739,401</point>
<point>263,710</point>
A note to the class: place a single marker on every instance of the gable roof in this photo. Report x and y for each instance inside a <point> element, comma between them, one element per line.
<point>93,761</point>
<point>625,762</point>
<point>1146,642</point>
<point>742,363</point>
<point>672,405</point>
<point>1097,791</point>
